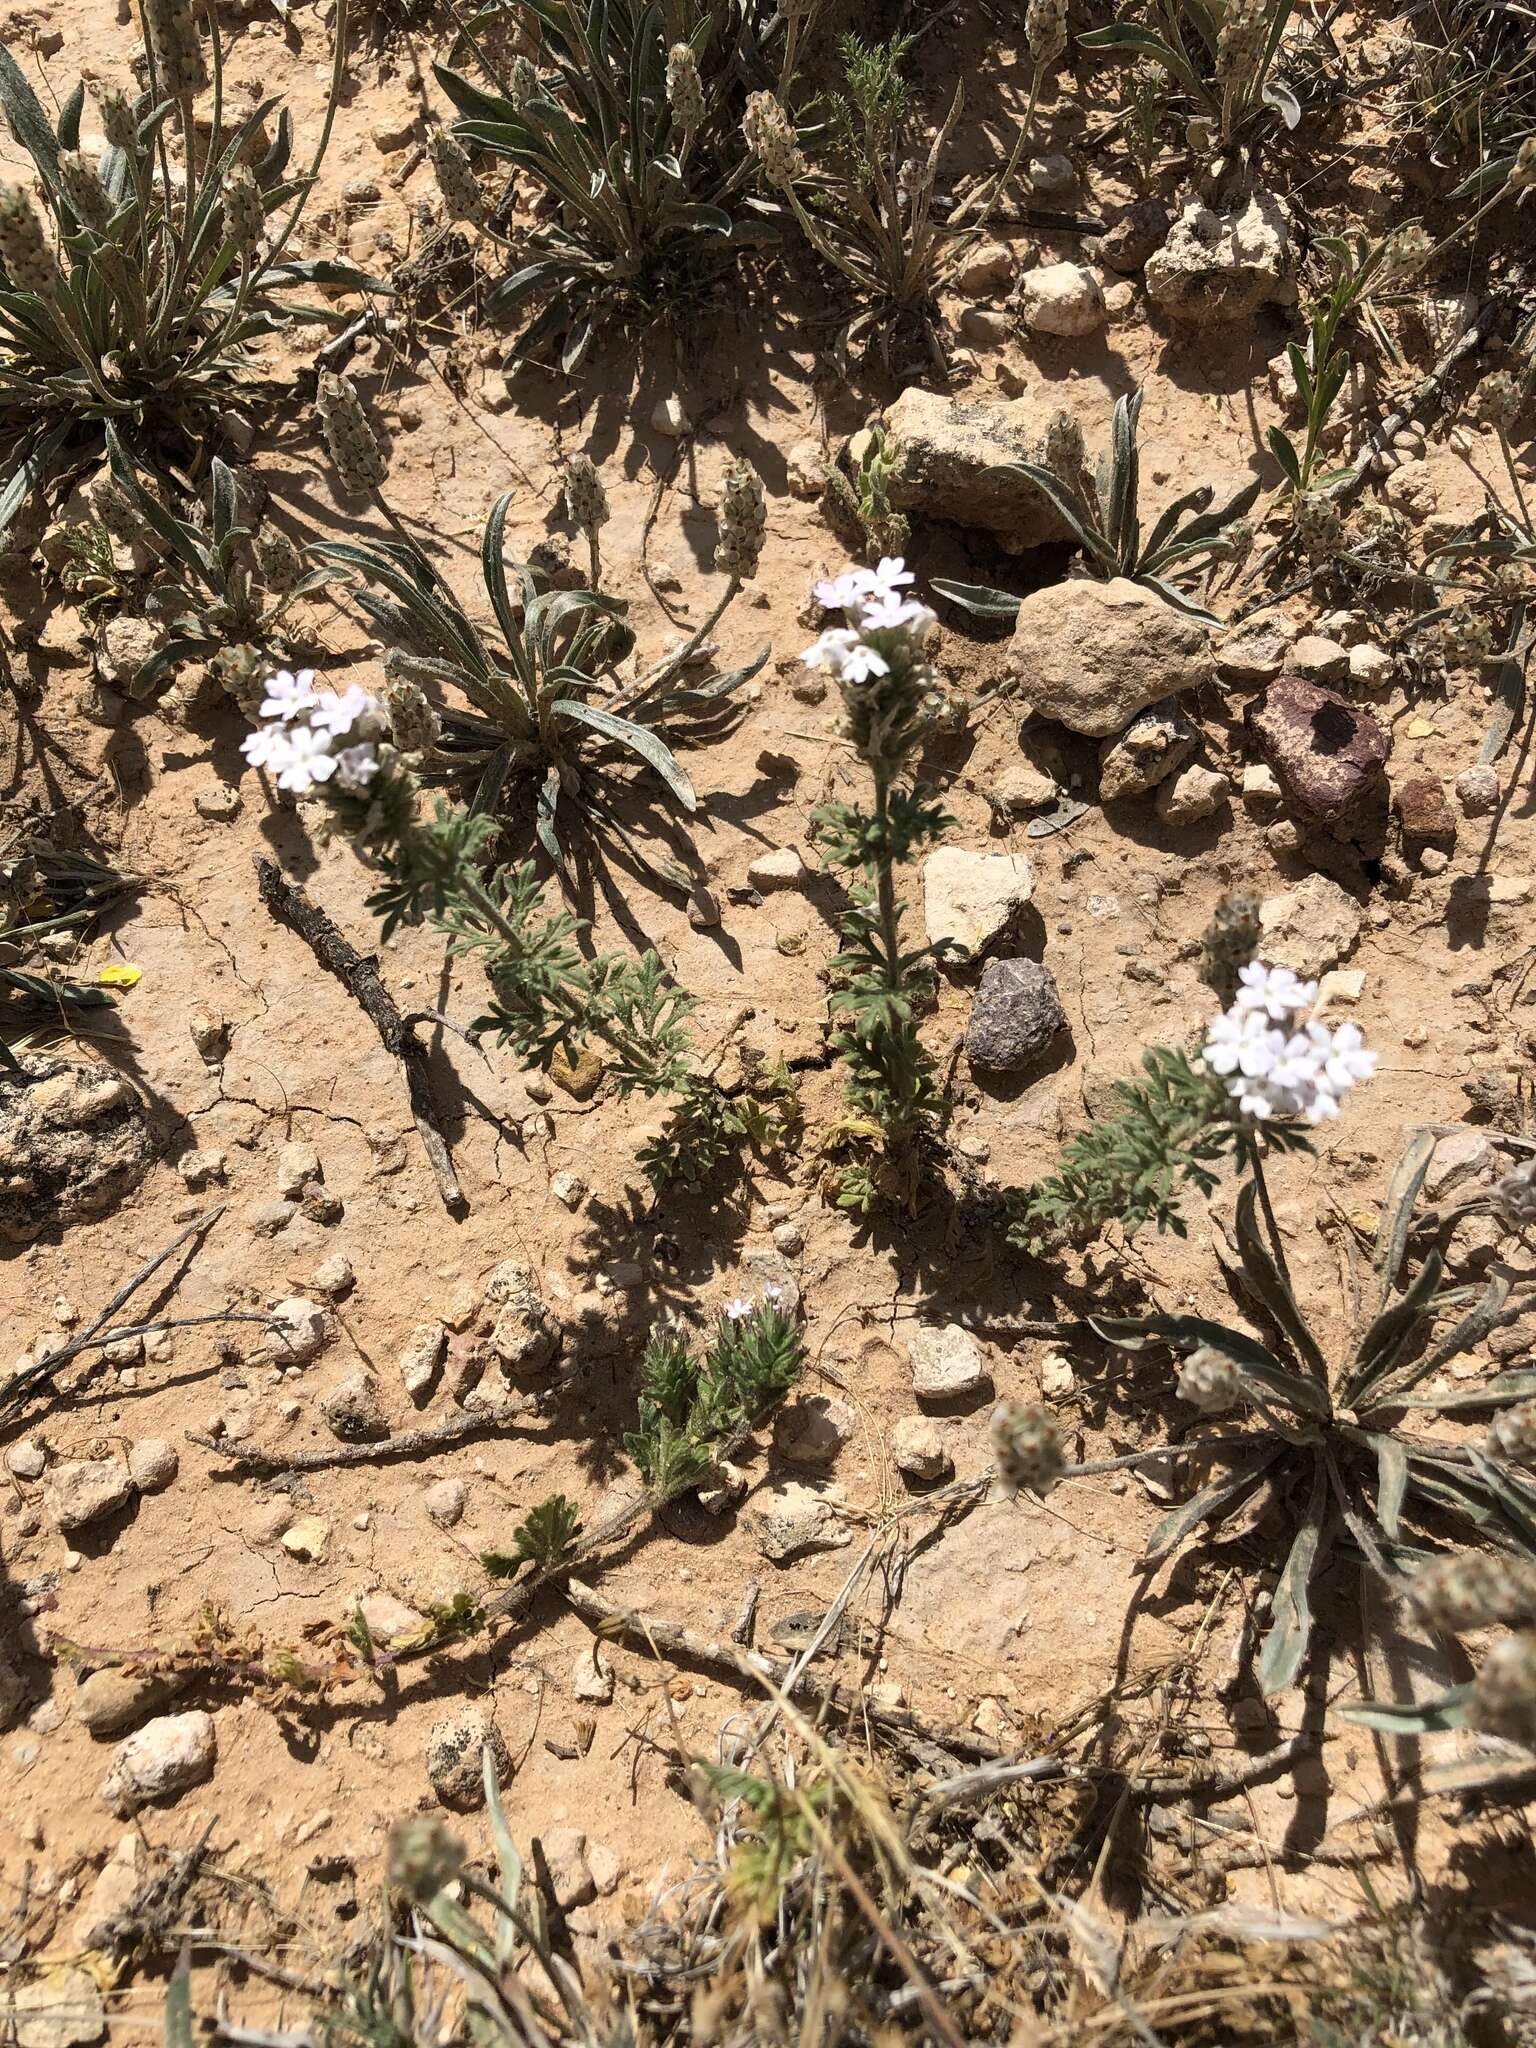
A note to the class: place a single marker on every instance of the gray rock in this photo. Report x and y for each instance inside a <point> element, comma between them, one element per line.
<point>421,1356</point>
<point>791,1519</point>
<point>988,267</point>
<point>1015,1017</point>
<point>26,1460</point>
<point>568,1189</point>
<point>919,1450</point>
<point>812,1430</point>
<point>973,898</point>
<point>1318,659</point>
<point>1255,651</point>
<point>984,327</point>
<point>947,1362</point>
<point>456,1747</point>
<point>159,1762</point>
<point>1155,743</point>
<point>1054,172</point>
<point>153,1464</point>
<point>85,1490</point>
<point>334,1277</point>
<point>1224,267</point>
<point>112,1699</point>
<point>1134,236</point>
<point>74,1140</point>
<point>1477,790</point>
<point>1023,789</point>
<point>353,1411</point>
<point>126,644</point>
<point>781,867</point>
<point>206,1164</point>
<point>1091,655</point>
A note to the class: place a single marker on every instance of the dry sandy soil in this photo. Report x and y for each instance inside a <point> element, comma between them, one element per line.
<point>1021,1611</point>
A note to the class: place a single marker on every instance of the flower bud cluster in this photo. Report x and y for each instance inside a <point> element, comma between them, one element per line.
<point>245,213</point>
<point>82,190</point>
<point>1209,1381</point>
<point>1026,1443</point>
<point>586,502</point>
<point>171,32</point>
<point>743,523</point>
<point>455,176</point>
<point>685,88</point>
<point>771,138</point>
<point>353,445</point>
<point>1468,1591</point>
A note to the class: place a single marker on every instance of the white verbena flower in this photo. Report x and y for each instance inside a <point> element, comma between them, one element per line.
<point>335,714</point>
<point>1278,992</point>
<point>845,653</point>
<point>288,694</point>
<point>1271,1063</point>
<point>739,1309</point>
<point>891,574</point>
<point>309,761</point>
<point>357,766</point>
<point>267,747</point>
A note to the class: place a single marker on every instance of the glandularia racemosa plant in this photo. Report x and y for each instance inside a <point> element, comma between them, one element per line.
<point>879,659</point>
<point>354,753</point>
<point>134,289</point>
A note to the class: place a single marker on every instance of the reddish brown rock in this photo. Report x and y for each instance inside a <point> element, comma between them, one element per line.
<point>1327,753</point>
<point>1424,811</point>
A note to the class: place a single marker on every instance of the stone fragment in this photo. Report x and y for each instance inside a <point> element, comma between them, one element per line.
<point>74,1141</point>
<point>1310,928</point>
<point>1477,790</point>
<point>297,1166</point>
<point>26,1460</point>
<point>80,1491</point>
<point>334,1277</point>
<point>307,1538</point>
<point>444,1502</point>
<point>1328,754</point>
<point>668,417</point>
<point>1319,660</point>
<point>1052,173</point>
<point>1091,655</point>
<point>919,1450</point>
<point>1023,789</point>
<point>353,1411</point>
<point>524,1336</point>
<point>986,268</point>
<point>1155,743</point>
<point>200,1167</point>
<point>1370,666</point>
<point>973,899</point>
<point>947,453</point>
<point>1223,267</point>
<point>153,1464</point>
<point>781,867</point>
<point>581,1077</point>
<point>568,1189</point>
<point>1261,786</point>
<point>112,1699</point>
<point>1194,794</point>
<point>159,1762</point>
<point>947,1362</point>
<point>420,1357</point>
<point>218,805</point>
<point>60,2007</point>
<point>1424,812</point>
<point>812,1430</point>
<point>1015,1017</point>
<point>792,1518</point>
<point>1459,1156</point>
<point>1061,298</point>
<point>592,1676</point>
<point>456,1747</point>
<point>571,1882</point>
<point>1255,651</point>
<point>301,1330</point>
<point>111,1894</point>
<point>1136,234</point>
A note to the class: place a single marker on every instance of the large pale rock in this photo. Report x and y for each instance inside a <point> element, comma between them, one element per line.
<point>973,898</point>
<point>85,1490</point>
<point>1091,655</point>
<point>949,453</point>
<point>1310,928</point>
<point>1061,298</point>
<point>159,1762</point>
<point>1224,267</point>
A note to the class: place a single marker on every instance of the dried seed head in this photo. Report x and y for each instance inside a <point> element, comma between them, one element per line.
<point>354,446</point>
<point>455,177</point>
<point>83,192</point>
<point>1407,251</point>
<point>743,522</point>
<point>1208,1380</point>
<point>424,1855</point>
<point>1512,1435</point>
<point>771,138</point>
<point>1062,448</point>
<point>280,563</point>
<point>171,33</point>
<point>1468,1591</point>
<point>1465,637</point>
<point>1522,174</point>
<point>1504,1697</point>
<point>1240,44</point>
<point>586,502</point>
<point>119,119</point>
<point>685,88</point>
<point>245,213</point>
<point>1027,1446</point>
<point>1513,1199</point>
<point>1319,526</point>
<point>1499,400</point>
<point>1231,941</point>
<point>412,721</point>
<point>1045,30</point>
<point>25,255</point>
